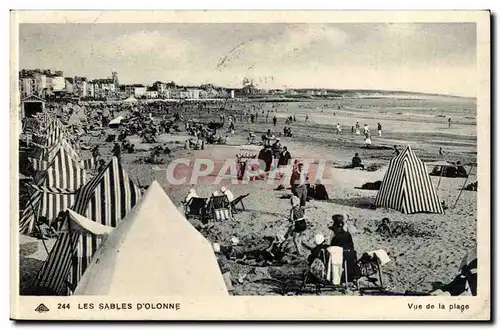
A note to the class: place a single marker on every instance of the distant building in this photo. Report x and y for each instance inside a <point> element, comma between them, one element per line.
<point>161,88</point>
<point>80,87</point>
<point>28,87</point>
<point>57,83</point>
<point>114,76</point>
<point>249,89</point>
<point>32,105</point>
<point>90,89</point>
<point>190,94</point>
<point>151,93</point>
<point>69,82</point>
<point>104,88</point>
<point>139,91</point>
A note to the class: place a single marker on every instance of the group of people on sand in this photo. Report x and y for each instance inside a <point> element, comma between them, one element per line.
<point>222,191</point>
<point>454,170</point>
<point>273,150</point>
<point>366,131</point>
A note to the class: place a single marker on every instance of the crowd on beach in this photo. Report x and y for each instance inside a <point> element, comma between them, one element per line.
<point>149,120</point>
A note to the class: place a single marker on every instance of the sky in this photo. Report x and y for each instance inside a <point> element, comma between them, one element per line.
<point>430,57</point>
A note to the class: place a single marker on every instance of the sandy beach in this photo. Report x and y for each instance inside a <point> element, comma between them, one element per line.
<point>430,252</point>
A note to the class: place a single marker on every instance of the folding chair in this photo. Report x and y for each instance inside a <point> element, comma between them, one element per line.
<point>196,208</point>
<point>322,284</point>
<point>238,200</point>
<point>369,266</point>
<point>219,208</point>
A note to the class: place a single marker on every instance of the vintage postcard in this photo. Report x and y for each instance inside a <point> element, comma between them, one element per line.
<point>239,165</point>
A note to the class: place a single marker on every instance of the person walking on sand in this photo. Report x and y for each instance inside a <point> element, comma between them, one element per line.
<point>298,224</point>
<point>275,120</point>
<point>339,129</point>
<point>441,152</point>
<point>300,183</point>
<point>358,130</point>
<point>366,129</point>
<point>368,140</point>
<point>379,129</point>
<point>449,122</point>
<point>307,119</point>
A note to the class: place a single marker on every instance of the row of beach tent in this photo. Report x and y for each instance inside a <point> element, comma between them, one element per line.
<point>102,214</point>
<point>107,224</point>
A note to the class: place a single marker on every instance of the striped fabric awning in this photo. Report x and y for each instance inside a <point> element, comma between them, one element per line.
<point>407,187</point>
<point>51,190</point>
<point>89,163</point>
<point>44,203</point>
<point>39,165</point>
<point>62,143</point>
<point>106,199</point>
<point>49,138</point>
<point>64,172</point>
<point>48,152</point>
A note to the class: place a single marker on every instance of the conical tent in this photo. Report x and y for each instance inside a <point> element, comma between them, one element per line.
<point>63,172</point>
<point>105,199</point>
<point>130,99</point>
<point>168,256</point>
<point>407,187</point>
<point>44,202</point>
<point>74,120</point>
<point>46,154</point>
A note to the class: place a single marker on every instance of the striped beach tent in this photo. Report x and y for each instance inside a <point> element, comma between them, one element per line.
<point>407,186</point>
<point>62,143</point>
<point>63,172</point>
<point>44,202</point>
<point>43,156</point>
<point>54,189</point>
<point>49,138</point>
<point>90,163</point>
<point>105,199</point>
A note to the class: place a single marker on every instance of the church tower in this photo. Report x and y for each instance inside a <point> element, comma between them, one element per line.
<point>115,79</point>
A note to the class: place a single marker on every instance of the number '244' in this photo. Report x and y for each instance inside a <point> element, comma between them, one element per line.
<point>63,306</point>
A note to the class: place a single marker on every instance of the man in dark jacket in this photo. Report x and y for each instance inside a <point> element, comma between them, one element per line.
<point>356,161</point>
<point>344,240</point>
<point>285,157</point>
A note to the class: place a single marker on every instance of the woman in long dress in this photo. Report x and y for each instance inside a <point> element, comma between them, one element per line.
<point>368,140</point>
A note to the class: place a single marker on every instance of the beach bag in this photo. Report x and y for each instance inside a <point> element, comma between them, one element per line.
<point>318,268</point>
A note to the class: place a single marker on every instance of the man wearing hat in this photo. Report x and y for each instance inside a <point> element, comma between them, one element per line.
<point>343,239</point>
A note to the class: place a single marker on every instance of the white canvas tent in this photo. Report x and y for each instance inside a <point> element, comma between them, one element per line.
<point>74,120</point>
<point>85,226</point>
<point>116,122</point>
<point>154,251</point>
<point>130,99</point>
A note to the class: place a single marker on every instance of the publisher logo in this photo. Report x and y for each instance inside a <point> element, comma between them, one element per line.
<point>41,308</point>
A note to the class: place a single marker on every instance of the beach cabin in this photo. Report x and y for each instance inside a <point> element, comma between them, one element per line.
<point>32,105</point>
